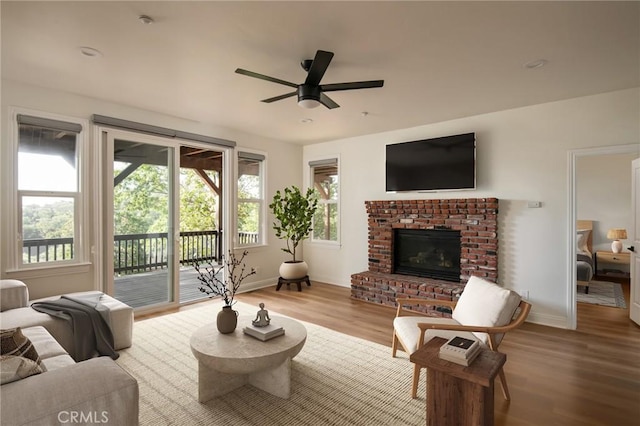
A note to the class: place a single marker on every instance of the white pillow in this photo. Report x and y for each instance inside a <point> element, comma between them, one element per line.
<point>582,237</point>
<point>486,304</point>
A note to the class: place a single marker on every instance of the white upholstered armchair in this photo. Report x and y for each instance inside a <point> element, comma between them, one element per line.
<point>484,312</point>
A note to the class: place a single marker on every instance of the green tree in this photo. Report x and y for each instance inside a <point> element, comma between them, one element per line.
<point>141,201</point>
<point>325,220</point>
<point>52,220</point>
<point>198,202</point>
<point>248,211</point>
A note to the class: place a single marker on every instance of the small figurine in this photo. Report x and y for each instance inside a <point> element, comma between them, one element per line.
<point>262,317</point>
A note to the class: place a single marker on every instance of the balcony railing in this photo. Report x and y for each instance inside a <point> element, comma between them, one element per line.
<point>47,250</point>
<point>247,238</point>
<point>135,253</point>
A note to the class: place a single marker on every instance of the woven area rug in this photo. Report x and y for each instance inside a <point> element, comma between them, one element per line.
<point>336,380</point>
<point>602,293</point>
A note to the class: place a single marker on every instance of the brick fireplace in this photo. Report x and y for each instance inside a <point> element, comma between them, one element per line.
<point>475,218</point>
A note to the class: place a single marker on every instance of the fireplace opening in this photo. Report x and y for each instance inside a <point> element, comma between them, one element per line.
<point>432,253</point>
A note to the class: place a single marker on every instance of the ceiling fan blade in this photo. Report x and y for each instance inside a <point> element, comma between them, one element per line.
<point>265,77</point>
<point>318,67</point>
<point>277,98</point>
<point>352,86</point>
<point>328,102</point>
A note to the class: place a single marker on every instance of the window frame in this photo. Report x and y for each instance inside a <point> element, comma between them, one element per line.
<point>261,201</point>
<point>311,172</point>
<point>81,242</point>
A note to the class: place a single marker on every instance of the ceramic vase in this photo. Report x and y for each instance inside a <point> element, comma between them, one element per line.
<point>227,320</point>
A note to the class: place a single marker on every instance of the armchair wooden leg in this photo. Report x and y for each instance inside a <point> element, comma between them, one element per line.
<point>503,382</point>
<point>416,379</point>
<point>394,345</point>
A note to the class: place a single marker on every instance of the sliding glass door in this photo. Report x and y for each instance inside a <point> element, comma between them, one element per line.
<point>141,220</point>
<point>164,209</point>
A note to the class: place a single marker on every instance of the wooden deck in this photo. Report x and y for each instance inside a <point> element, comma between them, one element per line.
<point>150,288</point>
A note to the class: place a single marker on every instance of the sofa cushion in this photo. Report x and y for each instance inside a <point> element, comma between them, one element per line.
<point>14,368</point>
<point>13,342</point>
<point>14,294</point>
<point>94,386</point>
<point>60,329</point>
<point>46,345</point>
<point>56,362</point>
<point>52,355</point>
<point>118,315</point>
<point>484,303</point>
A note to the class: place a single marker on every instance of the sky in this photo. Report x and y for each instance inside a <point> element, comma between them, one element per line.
<point>45,173</point>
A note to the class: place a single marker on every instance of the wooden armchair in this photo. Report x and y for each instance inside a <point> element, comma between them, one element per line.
<point>484,312</point>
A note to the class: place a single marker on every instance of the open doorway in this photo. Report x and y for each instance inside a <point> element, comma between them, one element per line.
<point>600,194</point>
<point>201,216</point>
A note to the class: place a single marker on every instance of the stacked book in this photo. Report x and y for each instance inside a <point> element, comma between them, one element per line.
<point>264,333</point>
<point>460,350</point>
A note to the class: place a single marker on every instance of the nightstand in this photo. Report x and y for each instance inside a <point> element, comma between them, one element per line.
<point>610,258</point>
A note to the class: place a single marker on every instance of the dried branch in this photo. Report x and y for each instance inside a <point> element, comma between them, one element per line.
<point>212,278</point>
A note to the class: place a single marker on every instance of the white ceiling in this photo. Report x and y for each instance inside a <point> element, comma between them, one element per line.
<point>439,60</point>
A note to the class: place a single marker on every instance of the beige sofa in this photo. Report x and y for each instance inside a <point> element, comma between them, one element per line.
<point>15,311</point>
<point>95,391</point>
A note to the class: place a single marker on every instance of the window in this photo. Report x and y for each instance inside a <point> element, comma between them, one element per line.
<point>250,199</point>
<point>326,223</point>
<point>48,191</point>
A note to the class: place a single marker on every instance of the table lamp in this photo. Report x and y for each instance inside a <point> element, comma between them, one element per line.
<point>616,234</point>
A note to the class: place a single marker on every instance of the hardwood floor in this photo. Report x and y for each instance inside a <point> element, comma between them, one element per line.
<point>590,376</point>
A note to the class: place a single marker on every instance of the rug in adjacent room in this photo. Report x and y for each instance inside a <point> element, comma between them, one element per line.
<point>336,379</point>
<point>602,293</point>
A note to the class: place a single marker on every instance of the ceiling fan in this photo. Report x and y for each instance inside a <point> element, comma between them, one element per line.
<point>311,93</point>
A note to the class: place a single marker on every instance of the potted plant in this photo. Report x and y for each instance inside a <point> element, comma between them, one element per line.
<point>293,213</point>
<point>214,284</point>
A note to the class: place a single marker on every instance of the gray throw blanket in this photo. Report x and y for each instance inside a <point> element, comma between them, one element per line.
<point>91,330</point>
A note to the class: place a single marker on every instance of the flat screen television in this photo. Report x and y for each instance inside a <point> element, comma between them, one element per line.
<point>439,164</point>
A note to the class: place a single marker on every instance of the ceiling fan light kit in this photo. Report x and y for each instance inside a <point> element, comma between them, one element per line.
<point>311,92</point>
<point>308,103</point>
<point>308,96</point>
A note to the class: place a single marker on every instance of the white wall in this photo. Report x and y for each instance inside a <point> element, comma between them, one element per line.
<point>522,156</point>
<point>602,194</point>
<point>283,169</point>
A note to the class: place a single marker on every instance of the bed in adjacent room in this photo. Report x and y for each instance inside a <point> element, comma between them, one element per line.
<point>584,250</point>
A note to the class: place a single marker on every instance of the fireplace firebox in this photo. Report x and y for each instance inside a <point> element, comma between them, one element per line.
<point>431,253</point>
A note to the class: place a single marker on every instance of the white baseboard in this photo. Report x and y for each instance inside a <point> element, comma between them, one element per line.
<point>258,284</point>
<point>328,280</point>
<point>548,320</point>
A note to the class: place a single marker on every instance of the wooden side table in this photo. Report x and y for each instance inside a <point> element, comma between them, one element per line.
<point>298,281</point>
<point>458,395</point>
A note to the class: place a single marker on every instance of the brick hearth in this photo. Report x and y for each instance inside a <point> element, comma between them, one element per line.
<point>475,218</point>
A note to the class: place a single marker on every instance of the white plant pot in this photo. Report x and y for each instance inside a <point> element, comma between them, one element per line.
<point>292,270</point>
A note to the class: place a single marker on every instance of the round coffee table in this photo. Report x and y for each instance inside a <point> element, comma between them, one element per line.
<point>228,361</point>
